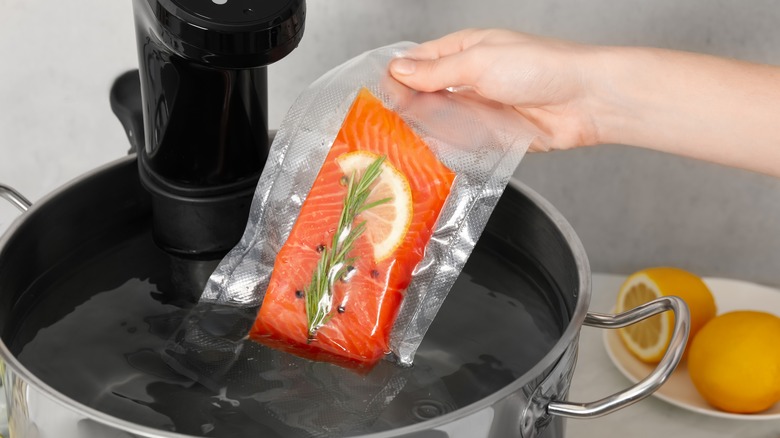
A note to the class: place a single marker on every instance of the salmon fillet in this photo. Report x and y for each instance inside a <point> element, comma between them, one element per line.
<point>365,306</point>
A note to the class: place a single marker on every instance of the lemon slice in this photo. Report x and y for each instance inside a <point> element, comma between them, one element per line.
<point>648,339</point>
<point>387,223</point>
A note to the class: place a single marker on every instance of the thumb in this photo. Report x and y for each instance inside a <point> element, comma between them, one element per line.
<point>434,74</point>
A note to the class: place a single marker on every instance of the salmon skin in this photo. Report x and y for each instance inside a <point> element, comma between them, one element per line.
<point>356,331</point>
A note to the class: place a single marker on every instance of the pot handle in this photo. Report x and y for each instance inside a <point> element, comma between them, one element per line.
<point>649,384</point>
<point>14,198</point>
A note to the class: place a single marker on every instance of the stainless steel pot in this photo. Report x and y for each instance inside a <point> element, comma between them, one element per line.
<point>534,404</point>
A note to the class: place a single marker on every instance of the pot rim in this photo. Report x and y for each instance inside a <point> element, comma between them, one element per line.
<point>569,335</point>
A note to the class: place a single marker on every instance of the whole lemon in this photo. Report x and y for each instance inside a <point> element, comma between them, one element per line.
<point>647,340</point>
<point>734,361</point>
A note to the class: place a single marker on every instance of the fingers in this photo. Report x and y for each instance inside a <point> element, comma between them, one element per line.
<point>437,74</point>
<point>446,45</point>
<point>450,61</point>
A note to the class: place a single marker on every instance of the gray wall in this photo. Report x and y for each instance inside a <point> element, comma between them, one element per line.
<point>631,207</point>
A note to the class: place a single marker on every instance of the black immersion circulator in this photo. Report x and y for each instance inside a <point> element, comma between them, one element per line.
<point>205,108</point>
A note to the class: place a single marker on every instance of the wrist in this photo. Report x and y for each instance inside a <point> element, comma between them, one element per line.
<point>611,84</point>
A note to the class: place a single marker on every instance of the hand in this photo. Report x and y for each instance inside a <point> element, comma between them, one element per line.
<point>705,107</point>
<point>543,79</point>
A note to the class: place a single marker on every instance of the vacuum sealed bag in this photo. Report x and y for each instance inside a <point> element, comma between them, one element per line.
<point>371,200</point>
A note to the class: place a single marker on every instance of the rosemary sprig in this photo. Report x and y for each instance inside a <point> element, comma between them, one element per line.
<point>335,262</point>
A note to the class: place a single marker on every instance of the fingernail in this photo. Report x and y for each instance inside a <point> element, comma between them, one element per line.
<point>403,66</point>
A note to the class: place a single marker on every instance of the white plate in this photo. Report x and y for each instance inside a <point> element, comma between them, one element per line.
<point>679,390</point>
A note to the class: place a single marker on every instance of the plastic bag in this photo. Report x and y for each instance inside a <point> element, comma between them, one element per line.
<point>478,142</point>
<point>481,143</point>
